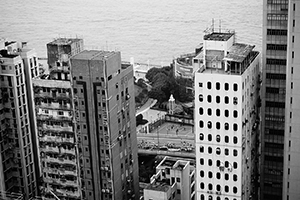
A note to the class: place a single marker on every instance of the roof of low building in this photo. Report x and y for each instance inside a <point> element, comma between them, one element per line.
<point>238,52</point>
<point>93,54</point>
<point>64,41</point>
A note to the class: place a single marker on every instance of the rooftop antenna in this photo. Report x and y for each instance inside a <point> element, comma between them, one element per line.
<point>106,46</point>
<point>220,26</point>
<point>213,25</point>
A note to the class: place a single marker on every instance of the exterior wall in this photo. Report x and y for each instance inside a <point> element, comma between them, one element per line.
<point>16,139</point>
<point>204,143</point>
<point>106,125</point>
<point>31,69</point>
<point>273,98</point>
<point>291,179</point>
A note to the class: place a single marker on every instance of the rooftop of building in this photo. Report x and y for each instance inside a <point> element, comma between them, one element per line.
<point>93,54</point>
<point>238,52</point>
<point>4,54</point>
<point>173,163</point>
<point>216,36</point>
<point>64,41</point>
<point>159,185</point>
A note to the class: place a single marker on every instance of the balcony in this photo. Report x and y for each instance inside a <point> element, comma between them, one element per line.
<point>49,149</point>
<point>67,151</point>
<point>60,160</point>
<point>57,128</point>
<point>60,171</point>
<point>55,106</point>
<point>59,139</point>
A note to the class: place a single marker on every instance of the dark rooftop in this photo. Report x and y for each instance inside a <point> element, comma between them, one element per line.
<point>92,54</point>
<point>218,36</point>
<point>64,41</point>
<point>5,54</point>
<point>238,52</point>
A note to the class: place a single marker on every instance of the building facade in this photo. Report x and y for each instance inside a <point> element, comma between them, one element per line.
<point>291,175</point>
<point>274,50</point>
<point>57,136</point>
<point>18,172</point>
<point>105,115</point>
<point>226,119</point>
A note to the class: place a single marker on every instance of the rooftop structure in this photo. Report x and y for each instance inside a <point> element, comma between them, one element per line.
<point>65,41</point>
<point>174,179</point>
<point>218,36</point>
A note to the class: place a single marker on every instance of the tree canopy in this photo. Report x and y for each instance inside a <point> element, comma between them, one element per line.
<point>164,84</point>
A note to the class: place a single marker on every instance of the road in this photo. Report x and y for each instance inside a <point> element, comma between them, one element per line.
<point>146,106</point>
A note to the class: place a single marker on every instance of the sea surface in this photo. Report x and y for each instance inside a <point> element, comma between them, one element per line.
<point>152,31</point>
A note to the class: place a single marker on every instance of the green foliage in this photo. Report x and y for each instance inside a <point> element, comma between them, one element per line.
<point>164,84</point>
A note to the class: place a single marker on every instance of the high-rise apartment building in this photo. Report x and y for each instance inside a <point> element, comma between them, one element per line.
<point>18,171</point>
<point>291,174</point>
<point>274,50</point>
<point>54,105</point>
<point>105,115</point>
<point>226,118</point>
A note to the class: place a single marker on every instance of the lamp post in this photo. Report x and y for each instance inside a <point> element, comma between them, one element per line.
<point>158,115</point>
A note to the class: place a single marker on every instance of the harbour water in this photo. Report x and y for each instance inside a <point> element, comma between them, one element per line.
<point>154,30</point>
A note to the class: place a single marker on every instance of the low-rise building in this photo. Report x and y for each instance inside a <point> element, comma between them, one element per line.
<point>174,179</point>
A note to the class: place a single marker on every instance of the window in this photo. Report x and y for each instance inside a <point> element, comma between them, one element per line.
<point>209,124</point>
<point>226,139</point>
<point>178,179</point>
<point>226,113</point>
<point>226,86</point>
<point>235,152</point>
<point>235,87</point>
<point>200,84</point>
<point>209,111</point>
<point>235,127</point>
<point>226,99</point>
<point>218,125</point>
<point>201,111</point>
<point>226,126</point>
<point>234,177</point>
<point>218,86</point>
<point>235,165</point>
<point>201,161</point>
<point>201,149</point>
<point>209,98</point>
<point>201,136</point>
<point>209,85</point>
<point>235,113</point>
<point>218,151</point>
<point>210,186</point>
<point>209,150</point>
<point>210,162</point>
<point>234,190</point>
<point>218,99</point>
<point>226,188</point>
<point>210,174</point>
<point>218,138</point>
<point>235,140</point>
<point>226,177</point>
<point>209,137</point>
<point>226,152</point>
<point>218,112</point>
<point>218,175</point>
<point>201,124</point>
<point>200,97</point>
<point>202,174</point>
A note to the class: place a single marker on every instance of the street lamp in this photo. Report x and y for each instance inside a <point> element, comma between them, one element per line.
<point>158,115</point>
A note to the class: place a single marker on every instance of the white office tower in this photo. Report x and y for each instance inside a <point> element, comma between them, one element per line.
<point>226,119</point>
